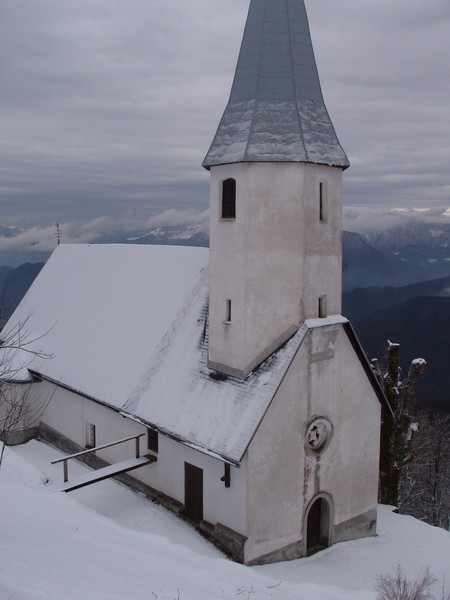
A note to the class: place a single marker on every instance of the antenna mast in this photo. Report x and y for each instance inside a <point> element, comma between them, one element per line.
<point>58,234</point>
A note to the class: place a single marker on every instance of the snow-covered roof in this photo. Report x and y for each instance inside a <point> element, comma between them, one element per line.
<point>100,311</point>
<point>219,414</point>
<point>127,326</point>
<point>276,110</point>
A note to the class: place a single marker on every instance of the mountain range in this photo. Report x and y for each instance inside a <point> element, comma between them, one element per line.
<point>418,318</point>
<point>14,283</point>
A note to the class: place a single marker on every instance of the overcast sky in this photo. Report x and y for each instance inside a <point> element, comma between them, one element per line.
<point>107,107</point>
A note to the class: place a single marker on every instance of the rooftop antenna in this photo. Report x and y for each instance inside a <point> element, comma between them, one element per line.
<point>58,234</point>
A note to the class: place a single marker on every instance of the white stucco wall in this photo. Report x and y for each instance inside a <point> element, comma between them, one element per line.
<point>275,259</point>
<point>275,467</point>
<point>326,379</point>
<point>340,390</point>
<point>68,413</point>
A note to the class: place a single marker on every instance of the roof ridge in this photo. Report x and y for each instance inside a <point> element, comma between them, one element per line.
<point>296,99</point>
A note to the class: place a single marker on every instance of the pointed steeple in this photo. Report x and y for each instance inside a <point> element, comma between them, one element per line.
<point>276,111</point>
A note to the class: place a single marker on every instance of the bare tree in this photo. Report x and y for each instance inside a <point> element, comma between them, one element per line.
<point>425,493</point>
<point>19,408</point>
<point>398,587</point>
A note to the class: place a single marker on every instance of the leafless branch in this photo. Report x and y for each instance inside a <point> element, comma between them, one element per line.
<point>396,586</point>
<point>19,409</point>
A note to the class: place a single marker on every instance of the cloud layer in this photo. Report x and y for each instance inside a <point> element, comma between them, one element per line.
<point>35,243</point>
<point>109,106</point>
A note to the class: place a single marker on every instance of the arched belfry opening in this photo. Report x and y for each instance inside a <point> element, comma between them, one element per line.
<point>318,520</point>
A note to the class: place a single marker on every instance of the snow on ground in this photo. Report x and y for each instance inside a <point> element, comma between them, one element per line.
<point>106,542</point>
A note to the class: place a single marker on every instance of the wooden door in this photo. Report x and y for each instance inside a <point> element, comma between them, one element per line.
<point>318,527</point>
<point>193,492</point>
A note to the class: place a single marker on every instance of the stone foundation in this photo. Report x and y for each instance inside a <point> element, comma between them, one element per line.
<point>290,552</point>
<point>362,526</point>
<point>21,436</point>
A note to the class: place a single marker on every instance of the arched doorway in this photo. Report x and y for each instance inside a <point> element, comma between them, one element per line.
<point>318,525</point>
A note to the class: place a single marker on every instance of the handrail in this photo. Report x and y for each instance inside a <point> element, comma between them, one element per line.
<point>65,459</point>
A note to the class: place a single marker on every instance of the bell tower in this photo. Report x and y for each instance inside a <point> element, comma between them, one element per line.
<point>276,195</point>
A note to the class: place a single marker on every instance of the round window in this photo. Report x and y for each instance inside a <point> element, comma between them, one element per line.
<point>318,434</point>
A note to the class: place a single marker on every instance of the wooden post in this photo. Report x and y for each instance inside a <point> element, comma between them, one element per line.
<point>66,471</point>
<point>226,475</point>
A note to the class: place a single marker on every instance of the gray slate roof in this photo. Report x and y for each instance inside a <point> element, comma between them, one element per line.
<point>276,110</point>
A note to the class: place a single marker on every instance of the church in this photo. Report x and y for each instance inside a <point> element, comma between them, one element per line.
<point>233,366</point>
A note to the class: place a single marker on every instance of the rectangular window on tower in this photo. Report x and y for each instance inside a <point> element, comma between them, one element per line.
<point>228,199</point>
<point>322,307</point>
<point>228,313</point>
<point>323,208</point>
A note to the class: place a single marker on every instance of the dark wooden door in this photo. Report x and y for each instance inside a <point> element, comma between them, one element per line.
<point>193,492</point>
<point>318,527</point>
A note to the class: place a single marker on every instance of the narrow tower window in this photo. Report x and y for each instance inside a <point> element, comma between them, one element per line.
<point>322,203</point>
<point>322,307</point>
<point>228,312</point>
<point>229,199</point>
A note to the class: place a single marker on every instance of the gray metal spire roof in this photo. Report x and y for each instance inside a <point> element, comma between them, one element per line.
<point>276,110</point>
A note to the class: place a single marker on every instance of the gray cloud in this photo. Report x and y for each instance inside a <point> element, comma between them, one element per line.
<point>35,243</point>
<point>369,219</point>
<point>38,239</point>
<point>109,106</point>
<point>384,71</point>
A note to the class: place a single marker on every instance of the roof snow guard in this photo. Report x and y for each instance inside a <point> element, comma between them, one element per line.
<point>276,111</point>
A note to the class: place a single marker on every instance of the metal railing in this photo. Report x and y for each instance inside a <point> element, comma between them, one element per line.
<point>65,459</point>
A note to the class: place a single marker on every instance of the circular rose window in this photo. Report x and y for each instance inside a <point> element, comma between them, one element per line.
<point>318,434</point>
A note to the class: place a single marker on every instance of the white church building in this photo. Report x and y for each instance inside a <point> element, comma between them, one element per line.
<point>260,413</point>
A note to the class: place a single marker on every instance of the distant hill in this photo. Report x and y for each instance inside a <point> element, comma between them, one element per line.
<point>14,284</point>
<point>421,325</point>
<point>5,271</point>
<point>367,266</point>
<point>178,235</point>
<point>363,266</point>
<point>361,302</point>
<point>421,248</point>
<point>411,233</point>
<point>166,236</point>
